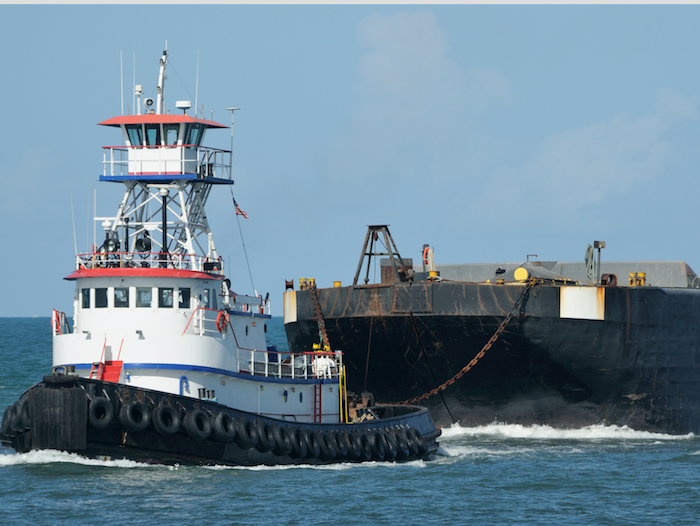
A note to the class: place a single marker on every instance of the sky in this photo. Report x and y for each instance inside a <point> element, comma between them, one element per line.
<point>488,132</point>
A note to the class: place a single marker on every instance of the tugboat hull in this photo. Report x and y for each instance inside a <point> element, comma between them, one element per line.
<point>105,420</point>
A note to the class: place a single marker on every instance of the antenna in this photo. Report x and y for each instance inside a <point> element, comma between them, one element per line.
<point>72,215</point>
<point>196,88</point>
<point>133,85</point>
<point>230,163</point>
<point>121,77</point>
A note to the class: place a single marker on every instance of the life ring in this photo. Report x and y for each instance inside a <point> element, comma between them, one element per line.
<point>166,419</point>
<point>283,441</point>
<point>100,412</point>
<point>246,433</point>
<point>425,255</point>
<point>300,446</point>
<point>223,428</point>
<point>222,320</point>
<point>197,425</point>
<point>312,439</point>
<point>391,447</point>
<point>328,448</point>
<point>134,416</point>
<point>266,437</point>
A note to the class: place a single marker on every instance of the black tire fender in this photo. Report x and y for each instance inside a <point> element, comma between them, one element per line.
<point>365,446</point>
<point>266,437</point>
<point>402,452</point>
<point>418,440</point>
<point>246,433</point>
<point>341,444</point>
<point>391,447</point>
<point>166,419</point>
<point>328,448</point>
<point>134,416</point>
<point>312,439</point>
<point>300,446</point>
<point>100,412</point>
<point>197,425</point>
<point>379,446</point>
<point>283,441</point>
<point>223,428</point>
<point>354,446</point>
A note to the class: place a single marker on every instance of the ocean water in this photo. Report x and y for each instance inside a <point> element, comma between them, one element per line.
<point>495,474</point>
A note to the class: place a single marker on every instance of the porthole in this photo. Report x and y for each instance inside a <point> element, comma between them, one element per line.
<point>301,397</point>
<point>265,327</point>
<point>246,330</point>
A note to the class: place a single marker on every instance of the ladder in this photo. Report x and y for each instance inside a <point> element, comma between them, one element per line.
<point>317,403</point>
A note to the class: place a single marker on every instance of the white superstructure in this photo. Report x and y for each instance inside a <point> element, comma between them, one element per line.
<point>152,306</point>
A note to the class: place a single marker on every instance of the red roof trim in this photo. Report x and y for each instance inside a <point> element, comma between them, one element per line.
<point>158,119</point>
<point>141,273</point>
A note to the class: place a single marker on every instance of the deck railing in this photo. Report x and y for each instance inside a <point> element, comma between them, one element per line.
<point>180,159</point>
<point>178,261</point>
<point>268,362</point>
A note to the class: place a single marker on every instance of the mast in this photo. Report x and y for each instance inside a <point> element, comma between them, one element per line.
<point>160,103</point>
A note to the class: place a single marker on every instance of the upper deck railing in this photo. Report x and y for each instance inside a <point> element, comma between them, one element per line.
<point>177,261</point>
<point>133,161</point>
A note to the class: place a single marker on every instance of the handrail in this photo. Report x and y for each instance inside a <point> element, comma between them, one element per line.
<point>179,261</point>
<point>204,161</point>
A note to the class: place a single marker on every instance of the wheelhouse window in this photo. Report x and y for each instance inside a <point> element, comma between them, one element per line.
<point>101,298</point>
<point>121,297</point>
<point>85,296</point>
<point>171,131</point>
<point>212,299</point>
<point>193,135</point>
<point>135,134</point>
<point>184,297</point>
<point>143,297</point>
<point>165,298</point>
<point>153,134</point>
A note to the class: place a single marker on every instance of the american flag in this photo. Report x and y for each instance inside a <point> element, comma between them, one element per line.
<point>239,212</point>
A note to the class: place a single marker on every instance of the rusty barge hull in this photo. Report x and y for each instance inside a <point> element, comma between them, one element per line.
<point>633,361</point>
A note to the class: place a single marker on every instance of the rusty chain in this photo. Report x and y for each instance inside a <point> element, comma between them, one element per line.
<point>319,317</point>
<point>479,355</point>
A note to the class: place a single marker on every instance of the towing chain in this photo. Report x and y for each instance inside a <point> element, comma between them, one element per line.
<point>319,317</point>
<point>480,354</point>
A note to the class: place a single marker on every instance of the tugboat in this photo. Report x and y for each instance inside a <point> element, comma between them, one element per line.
<point>164,363</point>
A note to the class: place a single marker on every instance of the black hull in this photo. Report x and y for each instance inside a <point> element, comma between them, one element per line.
<point>57,415</point>
<point>639,366</point>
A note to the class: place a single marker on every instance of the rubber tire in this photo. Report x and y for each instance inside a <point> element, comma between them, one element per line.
<point>283,441</point>
<point>412,443</point>
<point>16,424</point>
<point>266,437</point>
<point>5,427</point>
<point>391,447</point>
<point>12,420</point>
<point>365,447</point>
<point>341,445</point>
<point>402,452</point>
<point>354,442</point>
<point>166,419</point>
<point>300,446</point>
<point>420,440</point>
<point>24,413</point>
<point>100,412</point>
<point>328,448</point>
<point>223,428</point>
<point>197,425</point>
<point>134,416</point>
<point>312,439</point>
<point>379,446</point>
<point>246,433</point>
